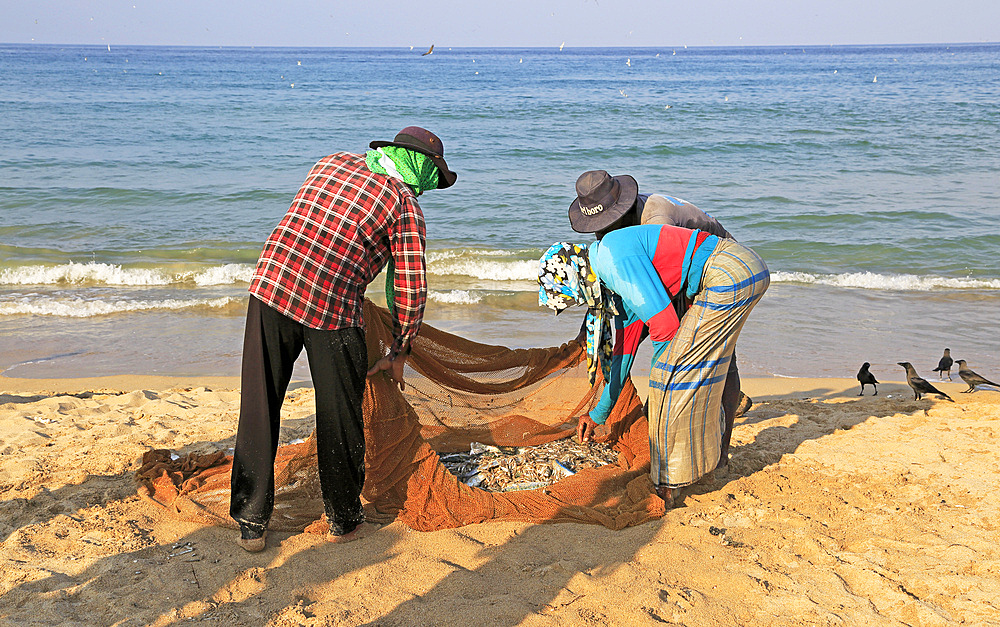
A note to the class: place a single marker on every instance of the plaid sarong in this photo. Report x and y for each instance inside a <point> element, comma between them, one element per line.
<point>686,421</point>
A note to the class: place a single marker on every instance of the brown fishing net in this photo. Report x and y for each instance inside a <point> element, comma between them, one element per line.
<point>458,392</point>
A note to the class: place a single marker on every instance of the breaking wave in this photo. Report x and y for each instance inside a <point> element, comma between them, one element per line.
<point>484,264</point>
<point>488,265</point>
<point>96,273</point>
<point>455,297</point>
<point>84,308</point>
<point>887,282</point>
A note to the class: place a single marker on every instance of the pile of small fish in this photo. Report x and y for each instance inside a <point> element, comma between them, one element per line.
<point>510,468</point>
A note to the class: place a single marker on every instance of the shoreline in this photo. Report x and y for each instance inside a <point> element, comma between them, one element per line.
<point>796,330</point>
<point>758,388</point>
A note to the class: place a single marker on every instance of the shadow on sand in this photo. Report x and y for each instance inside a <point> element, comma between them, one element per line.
<point>201,575</point>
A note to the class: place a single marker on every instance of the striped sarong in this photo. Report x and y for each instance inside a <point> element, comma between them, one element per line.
<point>686,421</point>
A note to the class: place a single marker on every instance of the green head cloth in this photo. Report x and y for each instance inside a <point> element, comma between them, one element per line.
<point>413,168</point>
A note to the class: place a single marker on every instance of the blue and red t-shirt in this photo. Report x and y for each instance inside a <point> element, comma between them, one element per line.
<point>645,267</point>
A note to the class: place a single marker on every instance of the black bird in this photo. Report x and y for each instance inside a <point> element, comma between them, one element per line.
<point>429,51</point>
<point>972,378</point>
<point>944,365</point>
<point>920,386</point>
<point>866,378</point>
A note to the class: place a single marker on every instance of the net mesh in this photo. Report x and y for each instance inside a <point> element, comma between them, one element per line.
<point>458,392</point>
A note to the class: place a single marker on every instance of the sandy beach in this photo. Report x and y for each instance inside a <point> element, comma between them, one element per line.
<point>837,510</point>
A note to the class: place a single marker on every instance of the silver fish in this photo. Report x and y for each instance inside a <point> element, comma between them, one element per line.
<point>509,468</point>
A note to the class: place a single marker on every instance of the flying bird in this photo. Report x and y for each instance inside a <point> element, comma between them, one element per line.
<point>972,378</point>
<point>866,378</point>
<point>429,51</point>
<point>944,365</point>
<point>920,386</point>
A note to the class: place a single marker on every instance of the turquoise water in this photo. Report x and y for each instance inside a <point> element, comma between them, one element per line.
<point>137,185</point>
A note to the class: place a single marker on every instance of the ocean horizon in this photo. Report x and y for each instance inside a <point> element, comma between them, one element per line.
<point>139,183</point>
<point>443,48</point>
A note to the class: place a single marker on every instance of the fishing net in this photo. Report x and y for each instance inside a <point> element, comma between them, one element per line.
<point>459,394</point>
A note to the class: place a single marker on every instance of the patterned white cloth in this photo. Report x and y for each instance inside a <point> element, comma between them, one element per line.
<point>565,279</point>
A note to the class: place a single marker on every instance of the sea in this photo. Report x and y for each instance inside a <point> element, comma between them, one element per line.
<point>138,184</point>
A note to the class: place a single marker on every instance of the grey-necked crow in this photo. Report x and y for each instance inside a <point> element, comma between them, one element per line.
<point>944,365</point>
<point>920,386</point>
<point>972,378</point>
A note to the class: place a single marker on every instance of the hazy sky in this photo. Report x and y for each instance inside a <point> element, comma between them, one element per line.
<point>499,23</point>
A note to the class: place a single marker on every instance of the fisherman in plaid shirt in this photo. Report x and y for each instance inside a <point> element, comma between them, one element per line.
<point>353,215</point>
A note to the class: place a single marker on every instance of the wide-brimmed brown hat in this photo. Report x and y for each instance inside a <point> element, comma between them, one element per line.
<point>425,142</point>
<point>601,200</point>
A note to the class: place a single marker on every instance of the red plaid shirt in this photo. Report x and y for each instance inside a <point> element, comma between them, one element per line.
<point>336,237</point>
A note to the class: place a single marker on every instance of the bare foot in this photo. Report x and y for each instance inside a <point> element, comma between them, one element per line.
<point>361,531</point>
<point>722,473</point>
<point>252,545</point>
<point>667,494</point>
<point>745,404</point>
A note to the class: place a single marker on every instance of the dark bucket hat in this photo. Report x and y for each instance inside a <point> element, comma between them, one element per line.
<point>601,200</point>
<point>425,142</point>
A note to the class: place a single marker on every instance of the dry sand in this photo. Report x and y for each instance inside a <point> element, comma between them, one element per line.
<point>837,510</point>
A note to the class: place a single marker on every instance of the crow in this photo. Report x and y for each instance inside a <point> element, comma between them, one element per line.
<point>971,377</point>
<point>944,365</point>
<point>866,378</point>
<point>920,386</point>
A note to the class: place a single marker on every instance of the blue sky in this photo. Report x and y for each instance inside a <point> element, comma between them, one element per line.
<point>499,23</point>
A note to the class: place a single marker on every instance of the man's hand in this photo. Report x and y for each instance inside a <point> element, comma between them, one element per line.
<point>586,428</point>
<point>395,368</point>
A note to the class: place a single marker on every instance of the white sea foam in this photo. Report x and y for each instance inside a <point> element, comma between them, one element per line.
<point>887,282</point>
<point>484,264</point>
<point>83,308</point>
<point>95,273</point>
<point>441,255</point>
<point>515,270</point>
<point>77,273</point>
<point>455,297</point>
<point>480,265</point>
<point>225,275</point>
